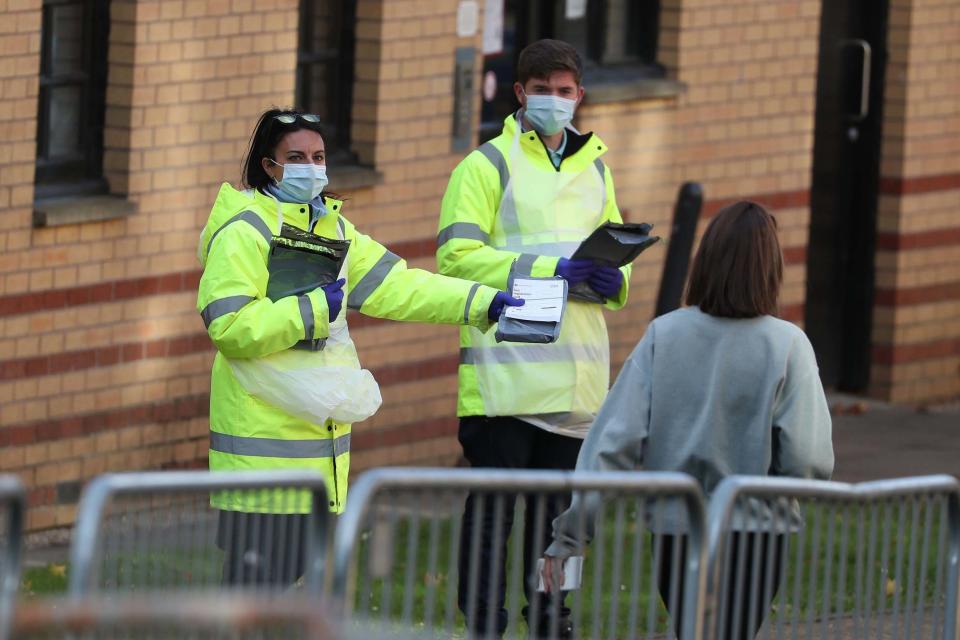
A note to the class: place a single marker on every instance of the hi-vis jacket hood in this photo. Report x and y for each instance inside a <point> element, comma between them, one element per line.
<point>242,322</point>
<point>229,202</point>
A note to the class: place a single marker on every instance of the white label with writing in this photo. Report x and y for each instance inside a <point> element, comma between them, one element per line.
<point>572,573</point>
<point>543,300</point>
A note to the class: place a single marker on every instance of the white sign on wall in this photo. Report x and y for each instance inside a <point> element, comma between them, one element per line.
<point>575,9</point>
<point>492,27</point>
<point>468,18</point>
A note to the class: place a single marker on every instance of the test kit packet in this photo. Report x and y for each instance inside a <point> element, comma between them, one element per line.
<point>572,573</point>
<point>612,244</point>
<point>526,330</point>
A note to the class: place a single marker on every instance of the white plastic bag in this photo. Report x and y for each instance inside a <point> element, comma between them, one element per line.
<point>315,386</point>
<point>308,387</point>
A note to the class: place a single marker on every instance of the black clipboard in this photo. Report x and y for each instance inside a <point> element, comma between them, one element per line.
<point>612,244</point>
<point>300,261</point>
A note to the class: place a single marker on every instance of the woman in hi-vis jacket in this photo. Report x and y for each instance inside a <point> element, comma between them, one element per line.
<point>279,262</point>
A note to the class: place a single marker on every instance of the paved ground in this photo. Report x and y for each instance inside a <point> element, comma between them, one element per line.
<point>874,440</point>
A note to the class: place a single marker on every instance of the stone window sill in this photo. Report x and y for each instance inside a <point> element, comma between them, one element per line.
<point>344,177</point>
<point>623,86</point>
<point>54,212</point>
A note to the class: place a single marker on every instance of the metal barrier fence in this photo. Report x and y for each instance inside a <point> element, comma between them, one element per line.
<point>810,559</point>
<point>409,551</point>
<point>149,531</point>
<point>12,506</point>
<point>206,616</point>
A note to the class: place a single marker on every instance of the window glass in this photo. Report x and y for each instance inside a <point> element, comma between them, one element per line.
<point>72,98</point>
<point>64,129</point>
<point>609,34</point>
<point>325,69</point>
<point>66,38</point>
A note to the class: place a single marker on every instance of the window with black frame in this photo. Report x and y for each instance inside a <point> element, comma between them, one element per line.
<point>325,59</point>
<point>617,39</point>
<point>71,104</point>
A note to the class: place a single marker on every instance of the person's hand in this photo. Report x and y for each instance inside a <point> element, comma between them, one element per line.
<point>501,300</point>
<point>552,573</point>
<point>334,293</point>
<point>606,281</point>
<point>574,271</point>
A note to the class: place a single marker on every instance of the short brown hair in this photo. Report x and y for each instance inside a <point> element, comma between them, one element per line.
<point>738,269</point>
<point>541,58</point>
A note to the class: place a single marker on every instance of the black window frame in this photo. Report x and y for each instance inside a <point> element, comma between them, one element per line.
<point>82,172</point>
<point>340,57</point>
<point>528,20</point>
<point>643,17</point>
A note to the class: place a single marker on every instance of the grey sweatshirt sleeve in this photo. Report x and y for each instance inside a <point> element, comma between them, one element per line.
<point>614,443</point>
<point>802,427</point>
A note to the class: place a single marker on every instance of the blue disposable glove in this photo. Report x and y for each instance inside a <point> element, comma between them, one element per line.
<point>574,271</point>
<point>606,281</point>
<point>501,300</point>
<point>334,293</point>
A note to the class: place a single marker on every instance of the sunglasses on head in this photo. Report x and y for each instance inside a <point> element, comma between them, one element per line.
<point>290,118</point>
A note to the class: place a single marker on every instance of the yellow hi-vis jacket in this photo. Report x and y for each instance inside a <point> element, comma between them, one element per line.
<point>246,432</point>
<point>491,223</point>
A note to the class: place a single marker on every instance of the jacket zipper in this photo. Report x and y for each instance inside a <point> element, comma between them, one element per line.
<point>336,487</point>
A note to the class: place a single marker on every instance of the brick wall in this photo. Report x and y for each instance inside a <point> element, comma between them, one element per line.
<point>916,337</point>
<point>743,129</point>
<point>19,67</point>
<point>105,363</point>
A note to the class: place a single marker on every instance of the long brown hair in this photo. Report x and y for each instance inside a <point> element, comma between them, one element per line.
<point>738,268</point>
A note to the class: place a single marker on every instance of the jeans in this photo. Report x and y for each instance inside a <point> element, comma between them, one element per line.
<point>262,549</point>
<point>750,584</point>
<point>507,443</point>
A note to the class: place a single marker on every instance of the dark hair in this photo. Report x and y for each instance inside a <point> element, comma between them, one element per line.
<point>264,140</point>
<point>541,58</point>
<point>738,269</point>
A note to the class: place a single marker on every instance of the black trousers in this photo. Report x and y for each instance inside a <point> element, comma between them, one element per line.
<point>749,588</point>
<point>506,443</point>
<point>262,549</point>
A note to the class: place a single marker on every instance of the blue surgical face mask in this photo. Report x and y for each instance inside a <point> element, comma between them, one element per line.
<point>549,114</point>
<point>301,182</point>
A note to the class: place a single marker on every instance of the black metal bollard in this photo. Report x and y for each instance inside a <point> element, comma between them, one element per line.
<point>685,215</point>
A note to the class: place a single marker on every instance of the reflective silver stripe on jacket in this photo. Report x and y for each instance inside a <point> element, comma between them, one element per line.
<point>309,343</point>
<point>491,153</point>
<point>371,280</point>
<point>274,448</point>
<point>556,249</point>
<point>464,231</point>
<point>598,163</point>
<point>306,314</point>
<point>466,310</point>
<point>250,218</point>
<point>222,307</point>
<point>527,353</point>
<point>525,263</point>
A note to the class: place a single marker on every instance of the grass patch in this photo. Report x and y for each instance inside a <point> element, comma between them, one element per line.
<point>884,560</point>
<point>124,572</point>
<point>44,581</point>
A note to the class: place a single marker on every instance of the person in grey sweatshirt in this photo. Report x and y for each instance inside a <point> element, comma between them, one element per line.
<point>717,388</point>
